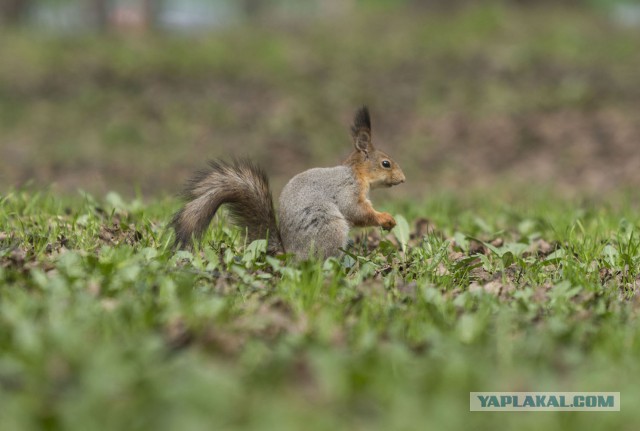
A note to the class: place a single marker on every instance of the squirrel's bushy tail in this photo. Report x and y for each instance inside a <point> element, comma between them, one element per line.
<point>244,187</point>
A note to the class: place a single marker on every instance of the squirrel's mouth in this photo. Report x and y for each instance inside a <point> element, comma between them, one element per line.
<point>386,183</point>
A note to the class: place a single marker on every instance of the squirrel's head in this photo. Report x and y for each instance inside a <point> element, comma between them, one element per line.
<point>376,167</point>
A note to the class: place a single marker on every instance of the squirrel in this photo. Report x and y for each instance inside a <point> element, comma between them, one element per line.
<point>317,206</point>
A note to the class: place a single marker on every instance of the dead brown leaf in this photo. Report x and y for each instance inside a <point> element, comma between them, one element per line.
<point>115,234</point>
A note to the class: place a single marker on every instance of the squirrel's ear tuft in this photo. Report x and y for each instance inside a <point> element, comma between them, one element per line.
<point>361,130</point>
<point>362,120</point>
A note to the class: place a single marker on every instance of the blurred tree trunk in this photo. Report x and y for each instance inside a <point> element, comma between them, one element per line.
<point>146,13</point>
<point>101,13</point>
<point>14,11</point>
<point>150,10</point>
<point>253,8</point>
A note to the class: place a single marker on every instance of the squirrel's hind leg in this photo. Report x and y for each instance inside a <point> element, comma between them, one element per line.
<point>323,235</point>
<point>333,236</point>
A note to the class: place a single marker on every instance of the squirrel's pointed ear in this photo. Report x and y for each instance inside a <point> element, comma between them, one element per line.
<point>361,131</point>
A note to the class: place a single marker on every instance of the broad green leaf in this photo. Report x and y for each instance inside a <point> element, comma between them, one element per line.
<point>401,231</point>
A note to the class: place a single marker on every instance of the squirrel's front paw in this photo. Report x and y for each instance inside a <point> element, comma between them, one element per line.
<point>387,222</point>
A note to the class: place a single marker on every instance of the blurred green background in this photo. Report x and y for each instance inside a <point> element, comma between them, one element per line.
<point>132,96</point>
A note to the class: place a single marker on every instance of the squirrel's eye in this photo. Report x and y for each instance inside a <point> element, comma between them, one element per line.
<point>386,164</point>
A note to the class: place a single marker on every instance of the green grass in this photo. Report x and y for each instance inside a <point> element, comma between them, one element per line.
<point>105,327</point>
<point>515,127</point>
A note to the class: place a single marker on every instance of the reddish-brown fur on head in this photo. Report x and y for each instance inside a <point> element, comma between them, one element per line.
<point>372,167</point>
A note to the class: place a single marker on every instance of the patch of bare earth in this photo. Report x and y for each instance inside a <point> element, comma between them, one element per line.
<point>592,151</point>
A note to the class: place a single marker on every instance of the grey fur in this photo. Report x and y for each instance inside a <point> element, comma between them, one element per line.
<point>316,204</point>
